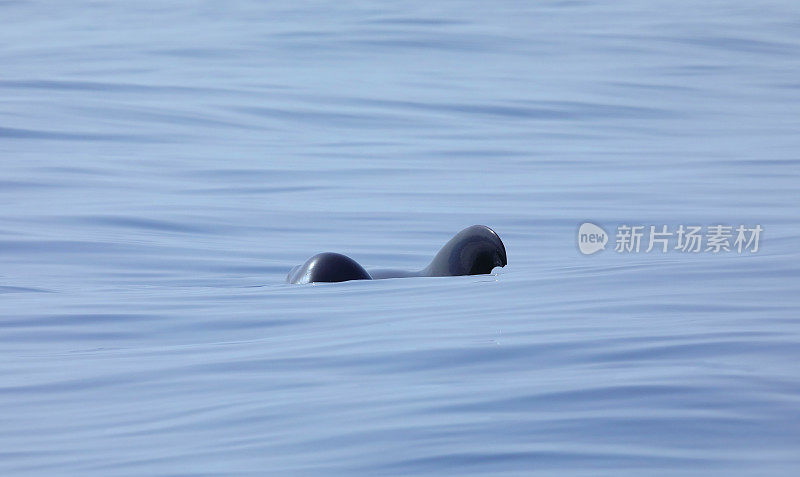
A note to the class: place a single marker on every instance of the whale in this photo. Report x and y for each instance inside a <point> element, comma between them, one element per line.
<point>476,250</point>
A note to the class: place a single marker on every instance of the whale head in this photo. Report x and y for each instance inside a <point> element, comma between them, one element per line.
<point>476,250</point>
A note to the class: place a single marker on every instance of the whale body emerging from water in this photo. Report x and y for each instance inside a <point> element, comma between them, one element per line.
<point>475,250</point>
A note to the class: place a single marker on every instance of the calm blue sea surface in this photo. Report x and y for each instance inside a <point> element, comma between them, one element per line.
<point>164,164</point>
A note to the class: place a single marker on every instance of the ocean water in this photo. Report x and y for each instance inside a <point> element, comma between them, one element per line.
<point>164,164</point>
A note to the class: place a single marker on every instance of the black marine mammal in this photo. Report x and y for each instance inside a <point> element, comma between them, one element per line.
<point>475,250</point>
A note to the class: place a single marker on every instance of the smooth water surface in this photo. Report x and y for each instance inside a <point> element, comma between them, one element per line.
<point>164,164</point>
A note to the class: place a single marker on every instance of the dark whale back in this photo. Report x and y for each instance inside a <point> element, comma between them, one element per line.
<point>475,250</point>
<point>328,267</point>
